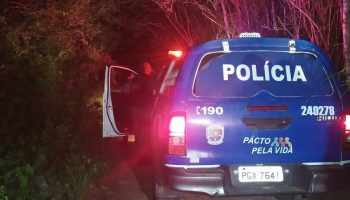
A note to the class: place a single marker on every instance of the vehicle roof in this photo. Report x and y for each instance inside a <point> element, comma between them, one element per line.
<point>277,44</point>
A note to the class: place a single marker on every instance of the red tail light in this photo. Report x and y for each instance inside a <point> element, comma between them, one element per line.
<point>177,128</point>
<point>347,123</point>
<point>347,127</point>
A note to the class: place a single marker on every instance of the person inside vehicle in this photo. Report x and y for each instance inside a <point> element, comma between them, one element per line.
<point>142,88</point>
<point>127,85</point>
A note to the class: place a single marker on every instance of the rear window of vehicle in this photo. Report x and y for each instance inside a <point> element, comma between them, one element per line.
<point>244,74</point>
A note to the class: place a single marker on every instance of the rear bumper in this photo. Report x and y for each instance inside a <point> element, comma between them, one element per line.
<point>222,180</point>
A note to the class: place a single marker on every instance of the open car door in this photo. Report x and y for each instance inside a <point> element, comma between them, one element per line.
<point>116,101</point>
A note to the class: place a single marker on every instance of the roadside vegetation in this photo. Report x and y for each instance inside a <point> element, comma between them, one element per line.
<point>51,66</point>
<point>52,62</point>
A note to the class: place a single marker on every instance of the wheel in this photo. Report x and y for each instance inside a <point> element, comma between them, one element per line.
<point>162,192</point>
<point>285,197</point>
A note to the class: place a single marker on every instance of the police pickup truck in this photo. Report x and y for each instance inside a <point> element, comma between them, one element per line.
<point>245,116</point>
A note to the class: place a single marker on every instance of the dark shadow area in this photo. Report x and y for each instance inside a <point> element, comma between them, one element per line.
<point>144,170</point>
<point>128,176</point>
<point>341,194</point>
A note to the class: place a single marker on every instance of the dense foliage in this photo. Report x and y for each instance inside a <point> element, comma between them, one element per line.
<point>318,21</point>
<point>52,57</point>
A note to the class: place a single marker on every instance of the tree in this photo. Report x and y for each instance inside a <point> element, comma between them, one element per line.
<point>345,12</point>
<point>192,22</point>
<point>57,43</point>
<point>52,53</point>
<point>318,21</point>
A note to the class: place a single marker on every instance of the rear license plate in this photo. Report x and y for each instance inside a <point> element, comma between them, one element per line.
<point>260,174</point>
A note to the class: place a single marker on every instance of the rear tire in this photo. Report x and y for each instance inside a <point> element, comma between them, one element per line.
<point>162,192</point>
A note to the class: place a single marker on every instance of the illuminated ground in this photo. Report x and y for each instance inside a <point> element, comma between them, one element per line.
<point>129,179</point>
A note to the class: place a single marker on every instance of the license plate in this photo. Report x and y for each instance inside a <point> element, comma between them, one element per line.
<point>260,174</point>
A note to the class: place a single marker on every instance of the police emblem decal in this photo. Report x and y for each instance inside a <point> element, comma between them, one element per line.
<point>215,134</point>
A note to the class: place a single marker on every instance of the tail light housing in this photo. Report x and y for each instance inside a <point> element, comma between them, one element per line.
<point>177,135</point>
<point>346,118</point>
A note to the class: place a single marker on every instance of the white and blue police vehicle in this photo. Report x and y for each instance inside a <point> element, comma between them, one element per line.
<point>246,116</point>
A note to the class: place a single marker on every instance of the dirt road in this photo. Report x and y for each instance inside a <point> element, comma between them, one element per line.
<point>130,179</point>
